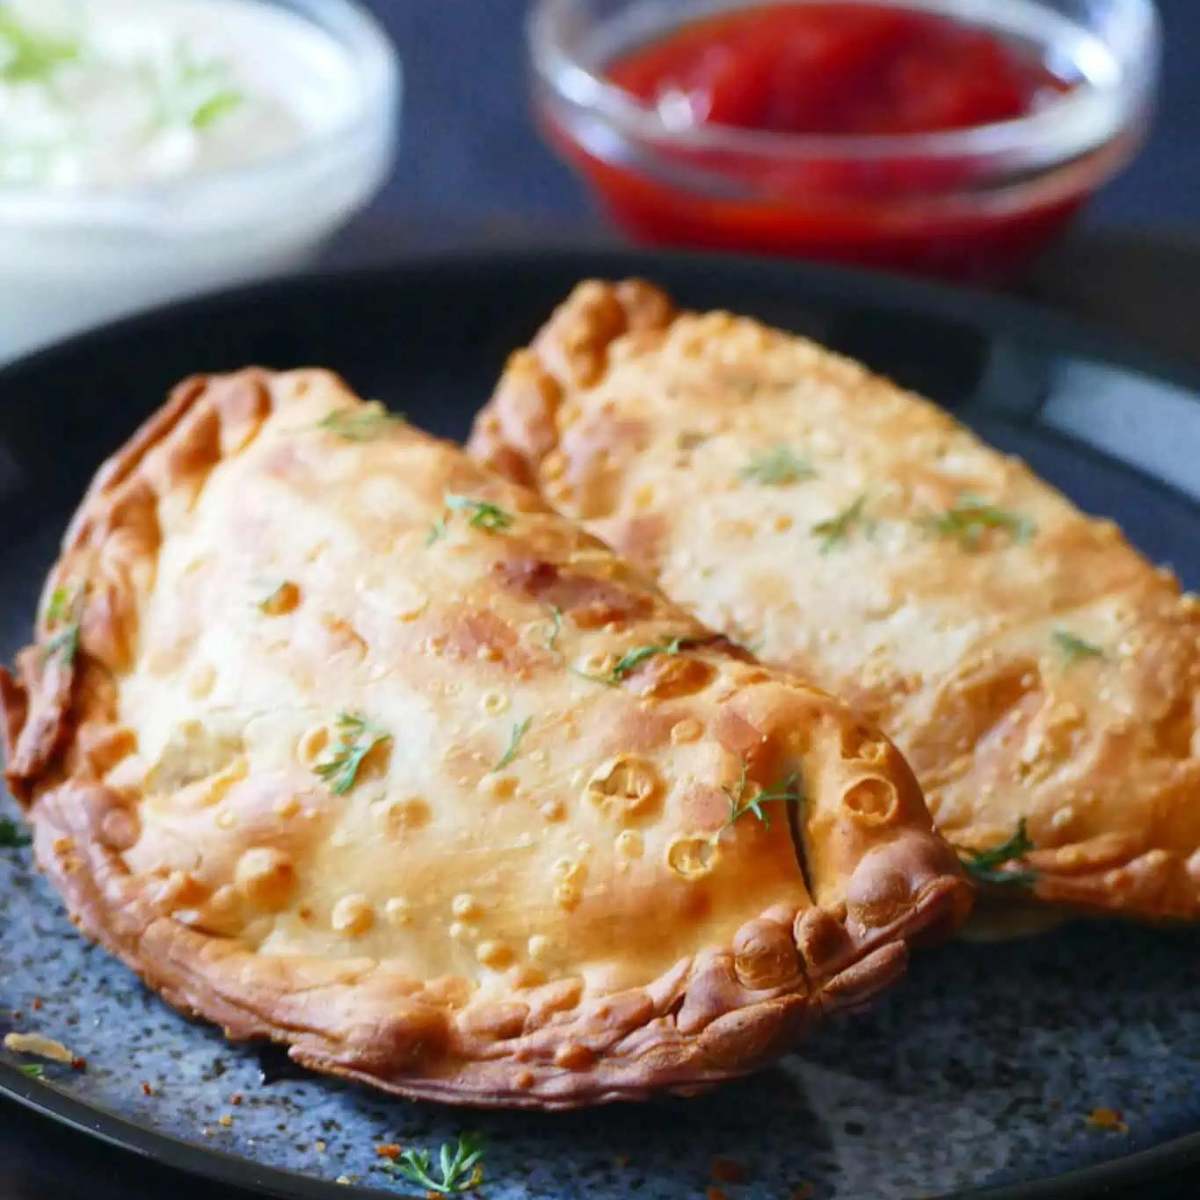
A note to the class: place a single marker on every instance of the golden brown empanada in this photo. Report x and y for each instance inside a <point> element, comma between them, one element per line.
<point>1041,677</point>
<point>339,739</point>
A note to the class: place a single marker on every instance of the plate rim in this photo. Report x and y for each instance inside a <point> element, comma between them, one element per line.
<point>1028,321</point>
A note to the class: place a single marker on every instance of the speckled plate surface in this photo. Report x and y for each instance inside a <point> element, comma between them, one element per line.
<point>975,1076</point>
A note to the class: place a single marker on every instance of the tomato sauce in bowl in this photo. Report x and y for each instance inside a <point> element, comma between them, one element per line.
<point>838,68</point>
<point>896,135</point>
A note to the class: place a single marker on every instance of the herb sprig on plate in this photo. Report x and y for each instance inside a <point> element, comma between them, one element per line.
<point>11,837</point>
<point>460,1166</point>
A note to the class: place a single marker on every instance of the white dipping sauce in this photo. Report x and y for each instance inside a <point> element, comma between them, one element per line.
<point>153,148</point>
<point>113,93</point>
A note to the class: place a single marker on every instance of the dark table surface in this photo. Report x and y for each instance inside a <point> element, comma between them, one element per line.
<point>472,171</point>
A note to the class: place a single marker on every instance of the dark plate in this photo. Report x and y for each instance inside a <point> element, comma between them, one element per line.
<point>977,1074</point>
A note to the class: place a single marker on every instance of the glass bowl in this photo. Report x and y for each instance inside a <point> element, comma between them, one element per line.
<point>71,258</point>
<point>972,204</point>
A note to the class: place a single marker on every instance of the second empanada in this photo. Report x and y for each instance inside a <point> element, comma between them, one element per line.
<point>1040,675</point>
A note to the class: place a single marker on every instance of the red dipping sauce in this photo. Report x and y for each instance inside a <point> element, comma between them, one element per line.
<point>838,68</point>
<point>826,76</point>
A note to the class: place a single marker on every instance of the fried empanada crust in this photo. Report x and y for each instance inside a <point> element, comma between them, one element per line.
<point>1026,659</point>
<point>339,739</point>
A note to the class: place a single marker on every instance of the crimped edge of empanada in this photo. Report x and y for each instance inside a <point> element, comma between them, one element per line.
<point>711,1017</point>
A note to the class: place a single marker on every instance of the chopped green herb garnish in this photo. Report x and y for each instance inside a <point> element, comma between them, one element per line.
<point>635,657</point>
<point>360,424</point>
<point>483,515</point>
<point>33,1070</point>
<point>64,613</point>
<point>461,1167</point>
<point>64,645</point>
<point>776,467</point>
<point>746,797</point>
<point>29,55</point>
<point>218,105</point>
<point>356,739</point>
<point>193,92</point>
<point>639,654</point>
<point>437,531</point>
<point>11,837</point>
<point>519,730</point>
<point>59,606</point>
<point>972,516</point>
<point>984,865</point>
<point>837,529</point>
<point>1074,648</point>
<point>552,637</point>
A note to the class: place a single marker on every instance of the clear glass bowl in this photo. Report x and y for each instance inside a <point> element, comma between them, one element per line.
<point>974,204</point>
<point>69,259</point>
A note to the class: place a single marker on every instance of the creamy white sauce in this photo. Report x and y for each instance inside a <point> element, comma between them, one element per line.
<point>115,93</point>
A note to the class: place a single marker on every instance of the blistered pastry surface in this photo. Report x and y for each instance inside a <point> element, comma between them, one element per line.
<point>1026,659</point>
<point>327,733</point>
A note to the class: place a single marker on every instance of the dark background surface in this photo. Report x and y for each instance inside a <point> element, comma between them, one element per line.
<point>471,168</point>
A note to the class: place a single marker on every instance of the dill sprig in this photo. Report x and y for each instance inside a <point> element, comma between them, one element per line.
<point>360,424</point>
<point>556,617</point>
<point>1073,648</point>
<point>776,467</point>
<point>64,615</point>
<point>634,658</point>
<point>356,739</point>
<point>519,730</point>
<point>746,797</point>
<point>460,1167</point>
<point>484,515</point>
<point>437,531</point>
<point>984,865</point>
<point>972,516</point>
<point>836,530</point>
<point>11,837</point>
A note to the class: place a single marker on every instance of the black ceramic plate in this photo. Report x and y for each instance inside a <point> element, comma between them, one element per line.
<point>975,1077</point>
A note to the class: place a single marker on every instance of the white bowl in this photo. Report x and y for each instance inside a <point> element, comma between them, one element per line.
<point>71,259</point>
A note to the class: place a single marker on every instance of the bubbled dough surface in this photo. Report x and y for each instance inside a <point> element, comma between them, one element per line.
<point>579,925</point>
<point>640,421</point>
<point>437,861</point>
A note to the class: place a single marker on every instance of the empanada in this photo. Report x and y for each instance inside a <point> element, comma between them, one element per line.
<point>339,739</point>
<point>1038,673</point>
